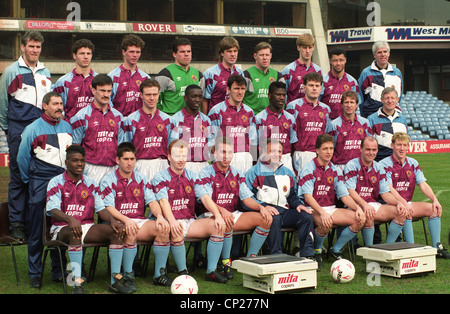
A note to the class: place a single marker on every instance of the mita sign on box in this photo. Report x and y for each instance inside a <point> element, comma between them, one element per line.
<point>372,34</point>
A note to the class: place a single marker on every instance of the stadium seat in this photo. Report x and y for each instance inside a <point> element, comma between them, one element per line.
<point>5,237</point>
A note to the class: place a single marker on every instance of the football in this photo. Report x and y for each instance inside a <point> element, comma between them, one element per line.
<point>342,271</point>
<point>184,284</point>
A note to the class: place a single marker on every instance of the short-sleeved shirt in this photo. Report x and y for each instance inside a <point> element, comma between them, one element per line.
<point>216,78</point>
<point>235,123</point>
<point>403,177</point>
<point>196,130</point>
<point>128,196</point>
<point>126,94</point>
<point>347,136</point>
<point>256,96</point>
<point>173,81</point>
<point>323,183</point>
<point>293,75</point>
<point>368,182</point>
<point>99,133</point>
<point>77,199</point>
<point>75,91</point>
<point>279,126</point>
<point>311,121</point>
<point>149,133</point>
<point>332,89</point>
<point>179,190</point>
<point>225,189</point>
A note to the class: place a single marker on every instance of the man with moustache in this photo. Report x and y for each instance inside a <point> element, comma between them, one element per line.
<point>22,86</point>
<point>98,128</point>
<point>41,156</point>
<point>74,87</point>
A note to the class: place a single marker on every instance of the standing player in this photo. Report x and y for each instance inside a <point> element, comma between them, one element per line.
<point>149,130</point>
<point>176,190</point>
<point>348,130</point>
<point>376,77</point>
<point>366,181</point>
<point>72,201</point>
<point>174,78</point>
<point>216,76</point>
<point>295,72</point>
<point>275,122</point>
<point>274,186</point>
<point>126,193</point>
<point>75,87</point>
<point>311,118</point>
<point>195,128</point>
<point>319,183</point>
<point>336,82</point>
<point>386,121</point>
<point>225,185</point>
<point>127,77</point>
<point>97,128</point>
<point>40,157</point>
<point>22,86</point>
<point>259,78</point>
<point>232,118</point>
<point>402,174</point>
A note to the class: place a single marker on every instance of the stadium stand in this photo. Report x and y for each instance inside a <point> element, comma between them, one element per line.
<point>427,116</point>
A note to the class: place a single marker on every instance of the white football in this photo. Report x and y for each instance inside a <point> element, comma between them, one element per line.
<point>342,271</point>
<point>184,284</point>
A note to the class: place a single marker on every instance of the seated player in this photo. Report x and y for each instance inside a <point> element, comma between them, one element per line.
<point>176,191</point>
<point>225,185</point>
<point>402,174</point>
<point>320,181</point>
<point>72,200</point>
<point>274,186</point>
<point>366,181</point>
<point>126,194</point>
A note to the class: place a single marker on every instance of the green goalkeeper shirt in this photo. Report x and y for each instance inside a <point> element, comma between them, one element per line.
<point>173,80</point>
<point>256,94</point>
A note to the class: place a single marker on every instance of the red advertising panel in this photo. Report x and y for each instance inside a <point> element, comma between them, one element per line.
<point>429,147</point>
<point>154,28</point>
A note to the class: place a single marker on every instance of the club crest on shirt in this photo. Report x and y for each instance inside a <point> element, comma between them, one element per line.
<point>233,183</point>
<point>84,194</point>
<point>373,179</point>
<point>330,179</point>
<point>136,192</point>
<point>194,78</point>
<point>111,122</point>
<point>188,189</point>
<point>160,127</point>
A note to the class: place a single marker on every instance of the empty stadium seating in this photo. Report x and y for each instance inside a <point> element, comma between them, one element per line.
<point>427,116</point>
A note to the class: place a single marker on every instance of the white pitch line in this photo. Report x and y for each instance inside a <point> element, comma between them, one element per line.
<point>437,194</point>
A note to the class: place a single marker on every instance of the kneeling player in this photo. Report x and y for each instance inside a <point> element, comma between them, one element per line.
<point>366,181</point>
<point>226,185</point>
<point>176,190</point>
<point>319,182</point>
<point>403,173</point>
<point>126,193</point>
<point>71,201</point>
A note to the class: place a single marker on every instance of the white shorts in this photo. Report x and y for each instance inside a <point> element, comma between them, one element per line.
<point>196,166</point>
<point>186,223</point>
<point>150,167</point>
<point>300,159</point>
<point>329,209</point>
<point>236,215</point>
<point>242,161</point>
<point>140,222</point>
<point>54,230</point>
<point>375,205</point>
<point>97,172</point>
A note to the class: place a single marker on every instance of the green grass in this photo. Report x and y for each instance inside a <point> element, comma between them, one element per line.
<point>437,170</point>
